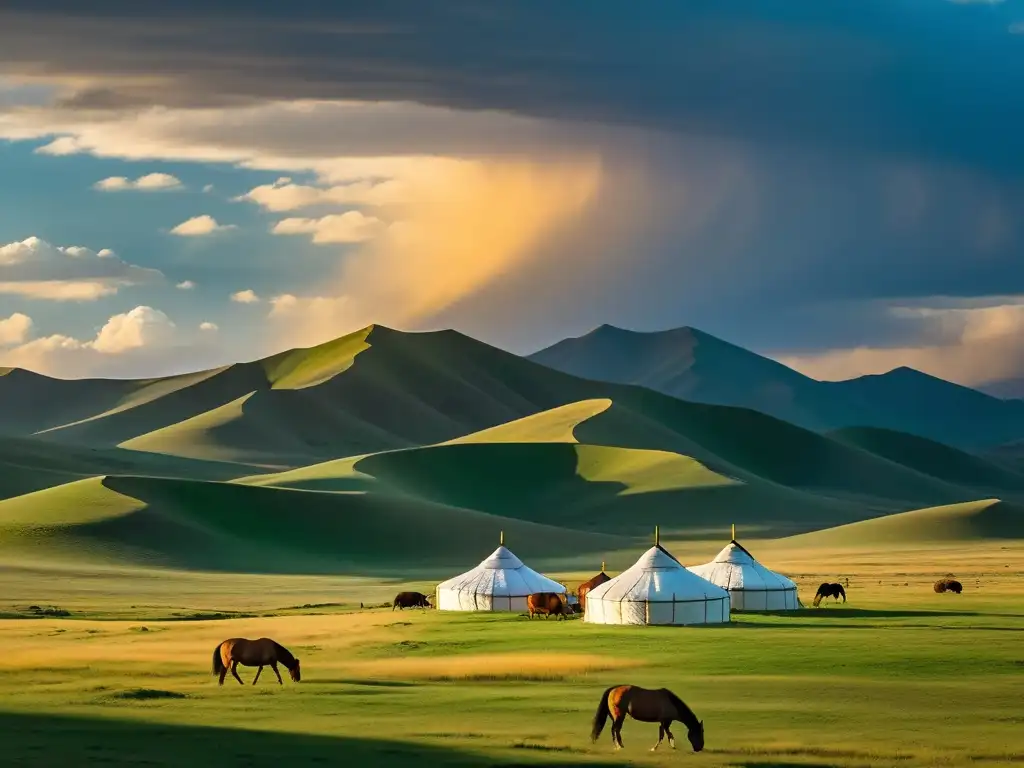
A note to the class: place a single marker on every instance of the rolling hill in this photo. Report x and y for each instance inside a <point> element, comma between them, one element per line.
<point>383,441</point>
<point>693,365</point>
<point>984,520</point>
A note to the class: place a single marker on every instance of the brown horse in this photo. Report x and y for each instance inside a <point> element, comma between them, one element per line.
<point>647,706</point>
<point>548,604</point>
<point>253,653</point>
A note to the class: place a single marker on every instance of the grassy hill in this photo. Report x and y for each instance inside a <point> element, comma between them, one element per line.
<point>984,520</point>
<point>690,364</point>
<point>381,441</point>
<point>232,527</point>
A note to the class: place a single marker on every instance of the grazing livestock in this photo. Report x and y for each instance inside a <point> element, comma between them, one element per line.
<point>548,603</point>
<point>586,586</point>
<point>253,653</point>
<point>948,585</point>
<point>829,590</point>
<point>647,706</point>
<point>410,600</point>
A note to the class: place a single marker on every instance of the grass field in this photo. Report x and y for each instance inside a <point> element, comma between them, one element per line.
<point>142,522</point>
<point>898,676</point>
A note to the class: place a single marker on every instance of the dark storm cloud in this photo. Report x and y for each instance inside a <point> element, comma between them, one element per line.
<point>934,80</point>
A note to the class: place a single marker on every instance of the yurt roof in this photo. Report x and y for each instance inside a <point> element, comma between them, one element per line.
<point>735,568</point>
<point>657,574</point>
<point>502,573</point>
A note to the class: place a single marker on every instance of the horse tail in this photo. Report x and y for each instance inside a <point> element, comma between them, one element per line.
<point>601,716</point>
<point>817,600</point>
<point>218,663</point>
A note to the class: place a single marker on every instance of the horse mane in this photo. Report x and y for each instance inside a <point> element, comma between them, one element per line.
<point>287,658</point>
<point>685,713</point>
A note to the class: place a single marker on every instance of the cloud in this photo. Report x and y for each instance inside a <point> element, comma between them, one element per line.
<point>248,296</point>
<point>208,326</point>
<point>874,86</point>
<point>971,345</point>
<point>208,188</point>
<point>14,329</point>
<point>38,270</point>
<point>467,229</point>
<point>348,227</point>
<point>283,195</point>
<point>199,226</point>
<point>185,285</point>
<point>151,181</point>
<point>139,336</point>
<point>63,145</point>
<point>141,327</point>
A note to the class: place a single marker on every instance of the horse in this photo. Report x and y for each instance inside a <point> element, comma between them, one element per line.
<point>405,600</point>
<point>948,585</point>
<point>646,706</point>
<point>253,653</point>
<point>829,590</point>
<point>548,603</point>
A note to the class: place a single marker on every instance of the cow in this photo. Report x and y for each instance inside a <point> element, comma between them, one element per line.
<point>410,600</point>
<point>548,603</point>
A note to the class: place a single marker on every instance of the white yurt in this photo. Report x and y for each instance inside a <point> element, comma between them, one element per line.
<point>657,589</point>
<point>751,586</point>
<point>500,583</point>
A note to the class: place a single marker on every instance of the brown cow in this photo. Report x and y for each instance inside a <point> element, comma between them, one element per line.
<point>548,603</point>
<point>410,600</point>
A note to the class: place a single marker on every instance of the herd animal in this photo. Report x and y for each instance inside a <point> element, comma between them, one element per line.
<point>644,705</point>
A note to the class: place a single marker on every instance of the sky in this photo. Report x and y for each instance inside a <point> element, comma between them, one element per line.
<point>837,185</point>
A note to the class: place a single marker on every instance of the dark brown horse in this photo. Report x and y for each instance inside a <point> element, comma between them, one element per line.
<point>829,590</point>
<point>253,653</point>
<point>948,585</point>
<point>549,604</point>
<point>647,706</point>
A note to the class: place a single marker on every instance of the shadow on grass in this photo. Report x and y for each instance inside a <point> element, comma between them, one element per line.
<point>839,612</point>
<point>52,740</point>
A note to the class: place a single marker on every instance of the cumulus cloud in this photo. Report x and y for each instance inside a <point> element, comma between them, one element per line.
<point>248,296</point>
<point>283,195</point>
<point>198,226</point>
<point>185,285</point>
<point>141,327</point>
<point>140,334</point>
<point>149,182</point>
<point>37,269</point>
<point>63,145</point>
<point>14,329</point>
<point>348,227</point>
<point>207,326</point>
<point>971,345</point>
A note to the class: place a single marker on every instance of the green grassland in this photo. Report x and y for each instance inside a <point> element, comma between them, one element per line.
<point>899,675</point>
<point>141,522</point>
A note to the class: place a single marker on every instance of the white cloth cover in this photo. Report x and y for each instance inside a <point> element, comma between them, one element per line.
<point>500,583</point>
<point>657,589</point>
<point>751,586</point>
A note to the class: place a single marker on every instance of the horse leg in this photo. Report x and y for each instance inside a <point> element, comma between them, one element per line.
<point>273,666</point>
<point>257,674</point>
<point>671,738</point>
<point>617,730</point>
<point>234,671</point>
<point>223,674</point>
<point>661,735</point>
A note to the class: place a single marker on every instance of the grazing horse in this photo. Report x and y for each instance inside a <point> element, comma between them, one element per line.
<point>253,653</point>
<point>647,706</point>
<point>948,585</point>
<point>410,600</point>
<point>548,603</point>
<point>829,590</point>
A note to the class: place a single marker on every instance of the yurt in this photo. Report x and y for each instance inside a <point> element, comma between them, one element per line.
<point>751,586</point>
<point>500,583</point>
<point>657,589</point>
<point>588,585</point>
